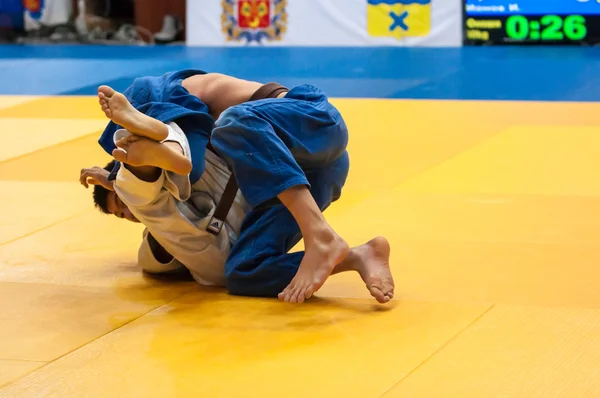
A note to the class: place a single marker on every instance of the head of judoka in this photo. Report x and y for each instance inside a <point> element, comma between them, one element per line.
<point>105,197</point>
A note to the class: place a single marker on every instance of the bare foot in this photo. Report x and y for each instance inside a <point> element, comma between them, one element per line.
<point>320,258</point>
<point>141,151</point>
<point>117,108</point>
<point>372,261</point>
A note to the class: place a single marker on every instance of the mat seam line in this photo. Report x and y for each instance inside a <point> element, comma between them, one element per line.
<point>450,340</point>
<point>91,341</point>
<point>443,161</point>
<point>40,229</point>
<point>47,147</point>
<point>421,171</point>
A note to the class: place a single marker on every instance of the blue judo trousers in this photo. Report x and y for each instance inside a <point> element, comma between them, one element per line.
<point>272,145</point>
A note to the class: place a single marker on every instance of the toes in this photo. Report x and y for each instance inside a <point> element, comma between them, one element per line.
<point>120,155</point>
<point>382,295</point>
<point>283,296</point>
<point>105,91</point>
<point>123,143</point>
<point>378,294</point>
<point>309,291</point>
<point>127,141</point>
<point>388,291</point>
<point>286,294</point>
<point>297,292</point>
<point>293,293</point>
<point>293,298</point>
<point>301,295</point>
<point>303,292</point>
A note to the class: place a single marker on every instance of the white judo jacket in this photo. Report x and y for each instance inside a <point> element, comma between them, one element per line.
<point>177,214</point>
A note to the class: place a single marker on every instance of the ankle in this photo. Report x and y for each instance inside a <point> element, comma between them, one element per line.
<point>319,233</point>
<point>350,263</point>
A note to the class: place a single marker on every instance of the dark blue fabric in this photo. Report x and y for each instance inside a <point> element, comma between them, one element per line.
<point>259,264</point>
<point>272,145</point>
<point>11,14</point>
<point>165,99</point>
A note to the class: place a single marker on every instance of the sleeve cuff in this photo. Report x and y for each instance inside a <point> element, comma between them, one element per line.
<point>178,185</point>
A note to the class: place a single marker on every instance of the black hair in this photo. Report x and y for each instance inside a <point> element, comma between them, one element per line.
<point>101,194</point>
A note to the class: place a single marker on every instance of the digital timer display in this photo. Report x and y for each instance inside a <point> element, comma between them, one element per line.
<point>549,27</point>
<point>531,22</point>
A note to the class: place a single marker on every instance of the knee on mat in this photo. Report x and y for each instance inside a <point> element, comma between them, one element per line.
<point>243,285</point>
<point>236,285</point>
<point>248,289</point>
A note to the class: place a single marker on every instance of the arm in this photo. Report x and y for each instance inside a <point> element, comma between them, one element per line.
<point>179,229</point>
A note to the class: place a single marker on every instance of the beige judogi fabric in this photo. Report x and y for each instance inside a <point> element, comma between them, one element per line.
<point>177,213</point>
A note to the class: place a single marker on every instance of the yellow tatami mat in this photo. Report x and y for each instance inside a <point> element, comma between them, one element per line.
<point>12,370</point>
<point>515,352</point>
<point>13,101</point>
<point>330,344</point>
<point>41,133</point>
<point>490,209</point>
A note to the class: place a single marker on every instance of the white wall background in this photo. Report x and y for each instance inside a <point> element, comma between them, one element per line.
<point>326,23</point>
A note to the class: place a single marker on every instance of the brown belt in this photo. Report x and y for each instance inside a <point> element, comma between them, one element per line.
<point>269,90</point>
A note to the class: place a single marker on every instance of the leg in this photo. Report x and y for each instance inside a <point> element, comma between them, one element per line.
<point>139,151</point>
<point>274,142</point>
<point>142,149</point>
<point>260,150</point>
<point>117,108</point>
<point>324,247</point>
<point>259,264</point>
<point>326,184</point>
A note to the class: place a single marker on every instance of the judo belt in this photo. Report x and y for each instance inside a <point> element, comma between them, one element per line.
<point>218,219</point>
<point>216,222</point>
<point>269,90</point>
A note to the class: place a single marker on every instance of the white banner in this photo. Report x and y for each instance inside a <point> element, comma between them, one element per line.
<point>47,13</point>
<point>432,23</point>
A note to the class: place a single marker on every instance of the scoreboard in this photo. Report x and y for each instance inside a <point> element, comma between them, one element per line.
<point>572,22</point>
